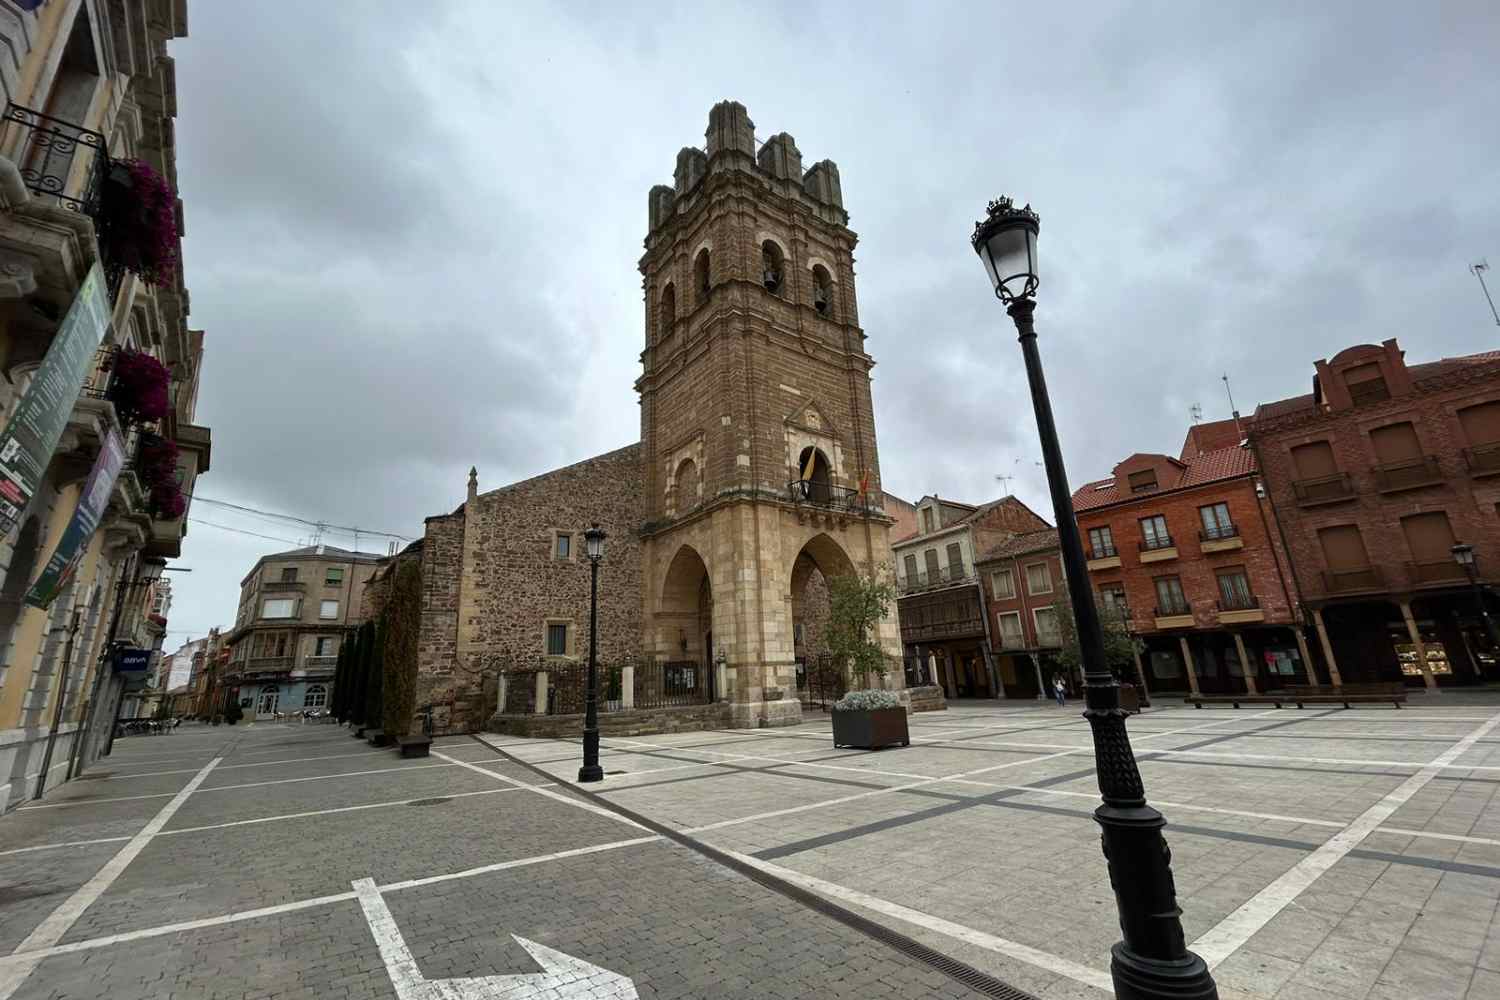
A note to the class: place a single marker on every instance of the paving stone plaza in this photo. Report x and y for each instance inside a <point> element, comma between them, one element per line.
<point>1319,854</point>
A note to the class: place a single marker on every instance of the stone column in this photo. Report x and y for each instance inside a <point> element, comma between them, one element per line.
<point>932,669</point>
<point>627,686</point>
<point>1187,662</point>
<point>1140,671</point>
<point>1333,664</point>
<point>1245,666</point>
<point>502,684</point>
<point>1307,663</point>
<point>948,673</point>
<point>1416,639</point>
<point>541,693</point>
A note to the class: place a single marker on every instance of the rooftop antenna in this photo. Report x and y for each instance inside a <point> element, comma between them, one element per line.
<point>1478,271</point>
<point>1234,410</point>
<point>1197,412</point>
<point>1004,482</point>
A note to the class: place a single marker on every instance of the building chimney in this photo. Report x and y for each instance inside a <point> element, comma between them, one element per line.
<point>473,482</point>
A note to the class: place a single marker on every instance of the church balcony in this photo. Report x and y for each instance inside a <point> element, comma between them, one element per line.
<point>816,493</point>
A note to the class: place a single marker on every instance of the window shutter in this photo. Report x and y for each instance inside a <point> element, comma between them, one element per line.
<point>1314,460</point>
<point>911,568</point>
<point>1343,548</point>
<point>932,563</point>
<point>1428,536</point>
<point>955,559</point>
<point>1481,423</point>
<point>1396,444</point>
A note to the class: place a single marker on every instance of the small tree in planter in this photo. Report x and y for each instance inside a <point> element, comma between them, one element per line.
<point>1119,647</point>
<point>139,387</point>
<point>868,718</point>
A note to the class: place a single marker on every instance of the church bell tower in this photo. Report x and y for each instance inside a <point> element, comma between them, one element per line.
<point>761,469</point>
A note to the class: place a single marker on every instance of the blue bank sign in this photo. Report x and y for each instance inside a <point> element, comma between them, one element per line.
<point>130,660</point>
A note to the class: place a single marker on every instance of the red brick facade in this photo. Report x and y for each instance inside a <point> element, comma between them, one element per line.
<point>1014,592</point>
<point>1373,477</point>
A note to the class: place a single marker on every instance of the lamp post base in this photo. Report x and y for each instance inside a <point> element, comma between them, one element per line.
<point>591,771</point>
<point>1138,978</point>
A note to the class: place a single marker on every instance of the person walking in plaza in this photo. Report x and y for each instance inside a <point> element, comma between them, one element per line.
<point>1060,689</point>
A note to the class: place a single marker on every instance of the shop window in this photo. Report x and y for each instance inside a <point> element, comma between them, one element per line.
<point>316,697</point>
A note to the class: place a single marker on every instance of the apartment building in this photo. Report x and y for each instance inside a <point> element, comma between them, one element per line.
<point>1023,585</point>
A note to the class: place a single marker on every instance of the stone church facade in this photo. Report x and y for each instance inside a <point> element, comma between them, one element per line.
<point>756,478</point>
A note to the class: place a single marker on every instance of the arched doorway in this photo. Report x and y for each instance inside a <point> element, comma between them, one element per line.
<point>265,702</point>
<point>684,626</point>
<point>813,478</point>
<point>818,679</point>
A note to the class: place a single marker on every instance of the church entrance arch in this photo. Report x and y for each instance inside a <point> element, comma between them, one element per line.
<point>821,559</point>
<point>684,623</point>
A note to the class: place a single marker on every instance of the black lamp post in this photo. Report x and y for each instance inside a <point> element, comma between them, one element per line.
<point>1152,962</point>
<point>593,540</point>
<point>1465,556</point>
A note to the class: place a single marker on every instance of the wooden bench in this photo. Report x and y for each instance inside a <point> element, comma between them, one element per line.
<point>414,746</point>
<point>1307,694</point>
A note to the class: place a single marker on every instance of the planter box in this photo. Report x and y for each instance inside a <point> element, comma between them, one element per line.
<point>414,746</point>
<point>376,738</point>
<point>882,727</point>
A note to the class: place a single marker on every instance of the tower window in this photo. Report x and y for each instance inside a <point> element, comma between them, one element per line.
<point>666,312</point>
<point>701,275</point>
<point>822,289</point>
<point>772,265</point>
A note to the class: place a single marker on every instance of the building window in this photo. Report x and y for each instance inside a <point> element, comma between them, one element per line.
<point>1112,597</point>
<point>1314,460</point>
<point>927,525</point>
<point>702,276</point>
<point>334,576</point>
<point>1143,481</point>
<point>934,574</point>
<point>1429,537</point>
<point>1101,542</point>
<point>1481,424</point>
<point>1396,444</point>
<point>910,564</point>
<point>1345,556</point>
<point>1047,633</point>
<point>316,697</point>
<point>1169,599</point>
<point>562,546</point>
<point>278,607</point>
<point>1010,630</point>
<point>1366,384</point>
<point>1154,532</point>
<point>323,646</point>
<point>289,575</point>
<point>955,561</point>
<point>1234,590</point>
<point>557,639</point>
<point>1216,521</point>
<point>1038,578</point>
<point>772,266</point>
<point>328,609</point>
<point>1003,583</point>
<point>667,313</point>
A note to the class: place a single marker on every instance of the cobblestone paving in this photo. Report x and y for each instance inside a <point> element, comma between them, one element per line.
<point>224,863</point>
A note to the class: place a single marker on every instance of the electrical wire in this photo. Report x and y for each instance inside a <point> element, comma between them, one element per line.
<point>324,525</point>
<point>242,531</point>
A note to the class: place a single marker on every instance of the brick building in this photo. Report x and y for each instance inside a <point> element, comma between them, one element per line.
<point>295,609</point>
<point>945,627</point>
<point>1185,548</point>
<point>1022,579</point>
<point>1373,477</point>
<point>756,476</point>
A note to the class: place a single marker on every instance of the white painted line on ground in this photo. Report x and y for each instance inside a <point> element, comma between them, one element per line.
<point>501,866</point>
<point>93,802</point>
<point>1457,837</point>
<point>50,931</point>
<point>1055,964</point>
<point>66,843</point>
<point>540,790</point>
<point>1226,937</point>
<point>229,767</point>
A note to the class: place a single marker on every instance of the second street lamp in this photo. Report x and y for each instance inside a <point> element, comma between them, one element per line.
<point>1152,962</point>
<point>593,540</point>
<point>1464,554</point>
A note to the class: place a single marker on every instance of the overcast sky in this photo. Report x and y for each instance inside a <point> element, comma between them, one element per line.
<point>412,228</point>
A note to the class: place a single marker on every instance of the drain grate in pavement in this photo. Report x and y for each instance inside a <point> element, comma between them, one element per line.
<point>428,802</point>
<point>616,772</point>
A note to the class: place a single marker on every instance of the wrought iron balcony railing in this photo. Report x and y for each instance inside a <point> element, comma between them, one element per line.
<point>268,664</point>
<point>1435,571</point>
<point>1363,578</point>
<point>1323,489</point>
<point>1483,459</point>
<point>1218,532</point>
<point>1150,543</point>
<point>60,159</point>
<point>927,579</point>
<point>1172,608</point>
<point>1408,475</point>
<point>1238,602</point>
<point>821,494</point>
<point>1103,551</point>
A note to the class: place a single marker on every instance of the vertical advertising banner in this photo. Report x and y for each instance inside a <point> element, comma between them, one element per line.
<point>75,540</point>
<point>31,434</point>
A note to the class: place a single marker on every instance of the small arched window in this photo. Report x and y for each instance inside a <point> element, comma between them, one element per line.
<point>685,487</point>
<point>666,312</point>
<point>701,275</point>
<point>813,480</point>
<point>772,266</point>
<point>316,697</point>
<point>822,290</point>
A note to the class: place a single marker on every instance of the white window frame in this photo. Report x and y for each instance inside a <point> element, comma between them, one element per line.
<point>318,645</point>
<point>1047,569</point>
<point>323,614</point>
<point>1036,622</point>
<point>291,607</point>
<point>1019,633</point>
<point>1010,584</point>
<point>318,691</point>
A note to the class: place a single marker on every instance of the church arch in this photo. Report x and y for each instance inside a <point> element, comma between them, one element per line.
<point>684,619</point>
<point>703,275</point>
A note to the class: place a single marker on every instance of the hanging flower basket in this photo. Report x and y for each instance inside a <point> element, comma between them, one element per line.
<point>138,387</point>
<point>157,468</point>
<point>138,221</point>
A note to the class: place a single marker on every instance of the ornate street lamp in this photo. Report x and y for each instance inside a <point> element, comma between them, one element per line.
<point>1465,555</point>
<point>593,547</point>
<point>1152,962</point>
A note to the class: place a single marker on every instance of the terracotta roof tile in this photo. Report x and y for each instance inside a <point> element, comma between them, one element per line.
<point>1020,545</point>
<point>1211,466</point>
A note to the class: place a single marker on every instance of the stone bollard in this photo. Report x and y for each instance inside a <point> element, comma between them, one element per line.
<point>627,687</point>
<point>501,684</point>
<point>541,693</point>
